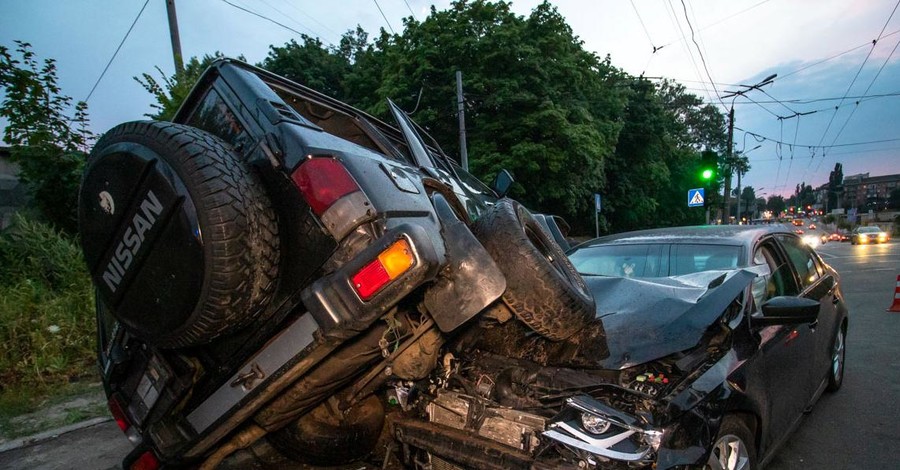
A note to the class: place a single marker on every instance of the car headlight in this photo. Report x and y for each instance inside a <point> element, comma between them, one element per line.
<point>594,424</point>
<point>811,240</point>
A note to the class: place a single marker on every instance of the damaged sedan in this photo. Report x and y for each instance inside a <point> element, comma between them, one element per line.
<point>708,362</point>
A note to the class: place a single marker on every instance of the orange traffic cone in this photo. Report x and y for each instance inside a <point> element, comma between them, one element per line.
<point>895,307</point>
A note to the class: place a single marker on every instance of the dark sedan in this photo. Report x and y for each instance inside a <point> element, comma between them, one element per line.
<point>776,349</point>
<point>707,345</point>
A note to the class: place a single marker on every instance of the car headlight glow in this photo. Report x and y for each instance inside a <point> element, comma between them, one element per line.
<point>811,240</point>
<point>594,424</point>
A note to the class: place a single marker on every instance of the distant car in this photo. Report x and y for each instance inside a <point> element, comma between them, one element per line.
<point>868,235</point>
<point>797,222</point>
<point>812,226</point>
<point>837,237</point>
<point>799,231</point>
<point>813,240</point>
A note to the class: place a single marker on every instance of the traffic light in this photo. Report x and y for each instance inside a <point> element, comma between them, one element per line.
<point>709,165</point>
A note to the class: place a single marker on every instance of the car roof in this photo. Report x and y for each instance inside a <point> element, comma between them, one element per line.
<point>735,235</point>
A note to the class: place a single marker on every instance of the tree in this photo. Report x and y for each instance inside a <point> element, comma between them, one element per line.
<point>48,145</point>
<point>311,64</point>
<point>894,199</point>
<point>776,204</point>
<point>835,185</point>
<point>748,195</point>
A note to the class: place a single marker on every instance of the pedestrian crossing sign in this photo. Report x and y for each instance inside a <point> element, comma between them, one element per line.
<point>695,197</point>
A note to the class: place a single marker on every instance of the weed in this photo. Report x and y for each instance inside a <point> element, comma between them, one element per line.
<point>46,308</point>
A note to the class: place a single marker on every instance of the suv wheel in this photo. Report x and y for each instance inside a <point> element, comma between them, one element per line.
<point>179,236</point>
<point>543,289</point>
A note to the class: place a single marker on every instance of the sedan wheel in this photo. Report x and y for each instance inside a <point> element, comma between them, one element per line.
<point>734,448</point>
<point>838,353</point>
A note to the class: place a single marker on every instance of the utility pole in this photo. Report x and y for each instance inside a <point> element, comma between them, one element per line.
<point>729,155</point>
<point>463,152</point>
<point>176,41</point>
<point>728,159</point>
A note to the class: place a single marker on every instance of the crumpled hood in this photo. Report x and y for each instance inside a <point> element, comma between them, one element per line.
<point>646,319</point>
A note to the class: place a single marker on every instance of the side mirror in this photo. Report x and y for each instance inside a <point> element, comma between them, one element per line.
<point>787,310</point>
<point>502,182</point>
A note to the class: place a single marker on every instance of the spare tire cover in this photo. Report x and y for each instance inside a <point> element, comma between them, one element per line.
<point>179,238</point>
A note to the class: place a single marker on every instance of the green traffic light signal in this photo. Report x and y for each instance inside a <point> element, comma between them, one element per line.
<point>707,174</point>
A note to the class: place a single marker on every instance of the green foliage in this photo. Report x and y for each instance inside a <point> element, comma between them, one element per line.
<point>894,199</point>
<point>776,204</point>
<point>46,306</point>
<point>48,145</point>
<point>311,64</point>
<point>564,121</point>
<point>171,91</point>
<point>835,184</point>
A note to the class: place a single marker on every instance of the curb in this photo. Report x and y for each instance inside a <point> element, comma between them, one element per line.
<point>51,434</point>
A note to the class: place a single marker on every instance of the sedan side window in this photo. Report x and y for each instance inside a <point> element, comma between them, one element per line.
<point>803,260</point>
<point>775,278</point>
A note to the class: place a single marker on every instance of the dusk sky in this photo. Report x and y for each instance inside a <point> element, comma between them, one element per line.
<point>741,42</point>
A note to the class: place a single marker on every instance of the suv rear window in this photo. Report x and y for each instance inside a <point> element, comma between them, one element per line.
<point>214,116</point>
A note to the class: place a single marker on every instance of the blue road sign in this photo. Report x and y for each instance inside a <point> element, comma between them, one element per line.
<point>696,197</point>
<point>597,202</point>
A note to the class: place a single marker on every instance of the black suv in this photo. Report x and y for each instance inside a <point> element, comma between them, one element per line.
<point>275,266</point>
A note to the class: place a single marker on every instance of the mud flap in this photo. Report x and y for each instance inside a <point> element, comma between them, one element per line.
<point>471,279</point>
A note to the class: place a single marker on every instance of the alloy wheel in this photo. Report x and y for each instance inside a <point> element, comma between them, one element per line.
<point>729,453</point>
<point>837,356</point>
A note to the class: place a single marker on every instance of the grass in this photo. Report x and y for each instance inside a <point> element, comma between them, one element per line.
<point>47,324</point>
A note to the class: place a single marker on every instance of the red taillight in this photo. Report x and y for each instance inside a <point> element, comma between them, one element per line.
<point>118,414</point>
<point>323,181</point>
<point>389,265</point>
<point>147,461</point>
<point>370,279</point>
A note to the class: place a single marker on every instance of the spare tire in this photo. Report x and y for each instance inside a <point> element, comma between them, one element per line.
<point>543,289</point>
<point>180,239</point>
<point>324,436</point>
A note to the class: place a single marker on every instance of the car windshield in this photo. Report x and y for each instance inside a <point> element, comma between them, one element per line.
<point>653,259</point>
<point>869,230</point>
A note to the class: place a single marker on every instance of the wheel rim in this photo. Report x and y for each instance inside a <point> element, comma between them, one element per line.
<point>837,356</point>
<point>729,453</point>
<point>555,260</point>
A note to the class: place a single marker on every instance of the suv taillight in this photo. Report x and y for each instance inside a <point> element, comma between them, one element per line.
<point>322,181</point>
<point>118,414</point>
<point>389,265</point>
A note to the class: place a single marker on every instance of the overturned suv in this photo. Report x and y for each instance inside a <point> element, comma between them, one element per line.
<point>278,273</point>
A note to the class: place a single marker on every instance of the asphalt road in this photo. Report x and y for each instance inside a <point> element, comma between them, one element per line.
<point>851,429</point>
<point>857,426</point>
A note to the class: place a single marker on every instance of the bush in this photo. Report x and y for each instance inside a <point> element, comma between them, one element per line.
<point>46,307</point>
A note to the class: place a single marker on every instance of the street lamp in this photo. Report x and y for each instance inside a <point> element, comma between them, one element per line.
<point>733,95</point>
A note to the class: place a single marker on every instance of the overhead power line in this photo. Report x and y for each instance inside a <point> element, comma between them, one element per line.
<point>111,59</point>
<point>641,20</point>
<point>285,15</point>
<point>384,16</point>
<point>410,10</point>
<point>700,52</point>
<point>722,20</point>
<point>852,82</point>
<point>260,15</point>
<point>852,144</point>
